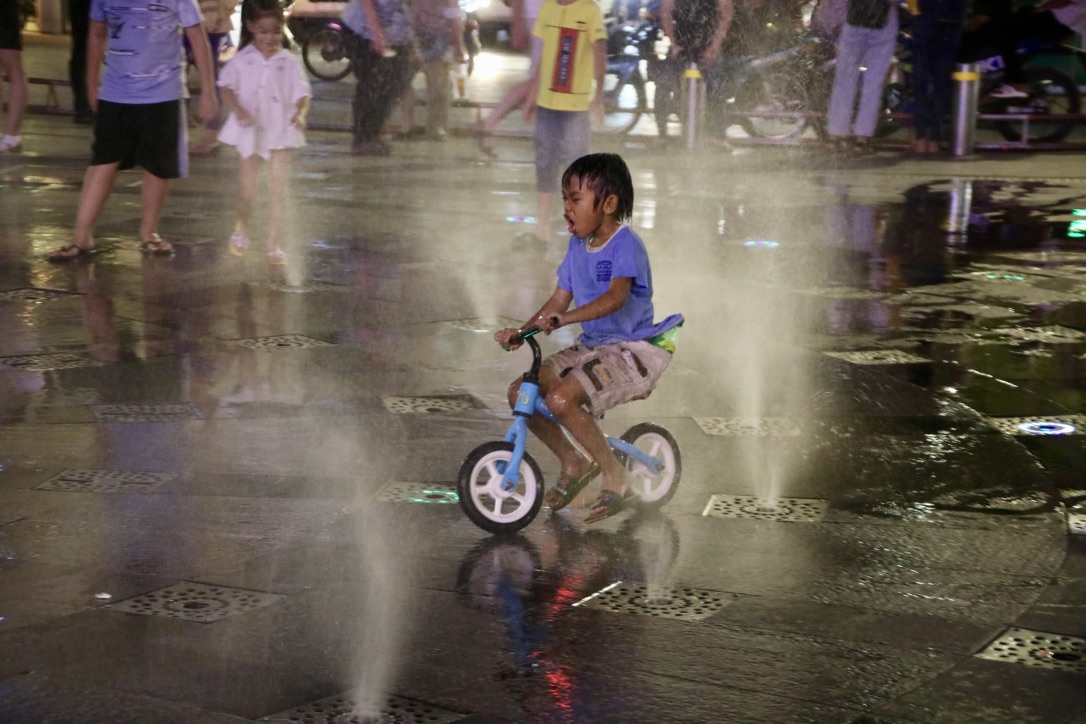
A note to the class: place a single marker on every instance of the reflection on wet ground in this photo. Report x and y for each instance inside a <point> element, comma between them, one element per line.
<point>226,488</point>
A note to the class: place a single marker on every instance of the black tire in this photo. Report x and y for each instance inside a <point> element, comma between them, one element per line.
<point>623,102</point>
<point>505,513</point>
<point>778,93</point>
<point>325,55</point>
<point>1051,92</point>
<point>653,491</point>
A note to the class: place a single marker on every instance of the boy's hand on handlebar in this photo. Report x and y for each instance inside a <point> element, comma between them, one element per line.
<point>505,336</point>
<point>550,323</point>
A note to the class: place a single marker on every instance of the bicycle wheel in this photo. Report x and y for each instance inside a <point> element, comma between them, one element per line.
<point>1051,93</point>
<point>324,53</point>
<point>653,490</point>
<point>623,102</point>
<point>479,485</point>
<point>774,93</point>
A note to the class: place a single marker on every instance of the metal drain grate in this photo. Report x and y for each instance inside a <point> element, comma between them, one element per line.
<point>1054,334</point>
<point>748,427</point>
<point>341,710</point>
<point>49,361</point>
<point>32,294</point>
<point>444,403</point>
<point>687,604</point>
<point>1038,648</point>
<point>879,357</point>
<point>1042,425</point>
<point>283,341</point>
<point>198,602</point>
<point>796,510</point>
<point>440,493</point>
<point>167,412</point>
<point>484,324</point>
<point>80,480</point>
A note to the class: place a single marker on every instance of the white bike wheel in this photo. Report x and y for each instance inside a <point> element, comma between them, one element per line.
<point>652,490</point>
<point>482,497</point>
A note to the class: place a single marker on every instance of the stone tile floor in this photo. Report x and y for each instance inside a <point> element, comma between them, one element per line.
<point>203,514</point>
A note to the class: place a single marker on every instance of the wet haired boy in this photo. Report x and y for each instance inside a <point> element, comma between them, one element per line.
<point>621,352</point>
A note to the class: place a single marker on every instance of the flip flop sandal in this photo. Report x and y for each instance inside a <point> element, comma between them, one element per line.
<point>567,488</point>
<point>609,503</point>
<point>156,246</point>
<point>61,255</point>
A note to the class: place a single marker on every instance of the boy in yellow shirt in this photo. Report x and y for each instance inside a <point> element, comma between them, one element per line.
<point>574,55</point>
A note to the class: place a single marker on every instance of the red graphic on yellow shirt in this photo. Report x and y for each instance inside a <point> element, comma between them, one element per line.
<point>562,82</point>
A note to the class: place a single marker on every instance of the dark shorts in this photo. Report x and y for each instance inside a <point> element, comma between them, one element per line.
<point>10,36</point>
<point>150,135</point>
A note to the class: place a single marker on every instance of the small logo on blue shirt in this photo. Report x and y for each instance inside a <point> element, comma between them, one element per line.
<point>603,271</point>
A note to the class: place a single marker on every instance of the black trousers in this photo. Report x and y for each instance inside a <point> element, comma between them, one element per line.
<point>79,16</point>
<point>1002,35</point>
<point>381,82</point>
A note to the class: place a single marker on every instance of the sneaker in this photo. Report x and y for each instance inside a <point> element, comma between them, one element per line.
<point>9,143</point>
<point>239,244</point>
<point>1008,91</point>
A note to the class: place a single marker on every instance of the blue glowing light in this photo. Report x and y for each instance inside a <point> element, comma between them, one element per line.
<point>1005,277</point>
<point>762,243</point>
<point>1041,427</point>
<point>435,496</point>
<point>521,219</point>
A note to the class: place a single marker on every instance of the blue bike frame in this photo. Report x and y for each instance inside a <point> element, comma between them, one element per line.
<point>529,403</point>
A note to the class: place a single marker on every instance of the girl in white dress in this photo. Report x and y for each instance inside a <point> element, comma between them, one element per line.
<point>268,94</point>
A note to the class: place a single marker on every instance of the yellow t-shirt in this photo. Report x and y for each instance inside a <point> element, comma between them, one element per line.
<point>567,64</point>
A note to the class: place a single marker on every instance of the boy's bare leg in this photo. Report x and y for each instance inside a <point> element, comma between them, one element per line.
<point>550,434</point>
<point>153,196</point>
<point>565,400</point>
<point>512,100</point>
<point>97,185</point>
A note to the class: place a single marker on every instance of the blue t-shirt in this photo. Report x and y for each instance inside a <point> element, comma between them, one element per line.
<point>143,51</point>
<point>588,274</point>
<point>395,24</point>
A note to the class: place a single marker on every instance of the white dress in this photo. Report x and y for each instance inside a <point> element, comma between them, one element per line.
<point>269,88</point>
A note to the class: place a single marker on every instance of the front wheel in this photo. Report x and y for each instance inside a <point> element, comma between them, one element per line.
<point>653,489</point>
<point>775,93</point>
<point>623,102</point>
<point>325,55</point>
<point>482,497</point>
<point>1051,93</point>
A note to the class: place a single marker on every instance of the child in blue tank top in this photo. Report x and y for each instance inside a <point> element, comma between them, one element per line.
<point>621,352</point>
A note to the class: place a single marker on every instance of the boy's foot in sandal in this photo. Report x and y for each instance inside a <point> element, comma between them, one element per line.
<point>568,487</point>
<point>71,253</point>
<point>276,257</point>
<point>156,246</point>
<point>609,503</point>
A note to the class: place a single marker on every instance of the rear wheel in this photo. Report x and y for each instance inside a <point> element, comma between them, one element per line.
<point>1051,93</point>
<point>774,93</point>
<point>653,489</point>
<point>623,102</point>
<point>324,53</point>
<point>482,497</point>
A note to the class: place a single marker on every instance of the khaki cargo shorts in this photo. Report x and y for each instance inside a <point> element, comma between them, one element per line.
<point>612,374</point>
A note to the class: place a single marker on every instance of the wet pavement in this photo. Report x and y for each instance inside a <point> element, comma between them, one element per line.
<point>228,490</point>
